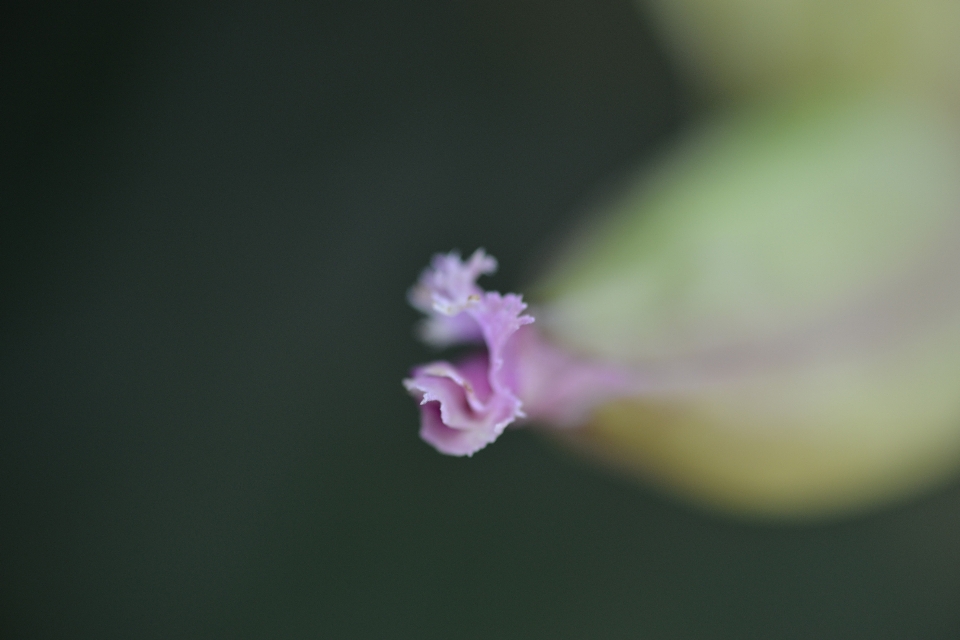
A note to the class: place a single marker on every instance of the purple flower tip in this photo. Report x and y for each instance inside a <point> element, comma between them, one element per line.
<point>466,406</point>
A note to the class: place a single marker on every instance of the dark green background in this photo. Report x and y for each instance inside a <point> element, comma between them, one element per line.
<point>211,215</point>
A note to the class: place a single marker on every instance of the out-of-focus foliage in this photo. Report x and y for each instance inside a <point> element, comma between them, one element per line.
<point>787,274</point>
<point>789,282</point>
<point>739,49</point>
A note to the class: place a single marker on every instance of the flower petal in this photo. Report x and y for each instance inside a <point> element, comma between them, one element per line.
<point>466,406</point>
<point>443,293</point>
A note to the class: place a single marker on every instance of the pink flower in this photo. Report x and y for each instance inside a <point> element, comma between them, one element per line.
<point>466,406</point>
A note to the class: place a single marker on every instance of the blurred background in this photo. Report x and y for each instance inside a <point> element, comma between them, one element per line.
<point>212,213</point>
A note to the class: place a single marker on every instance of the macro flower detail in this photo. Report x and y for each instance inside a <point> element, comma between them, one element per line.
<point>466,406</point>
